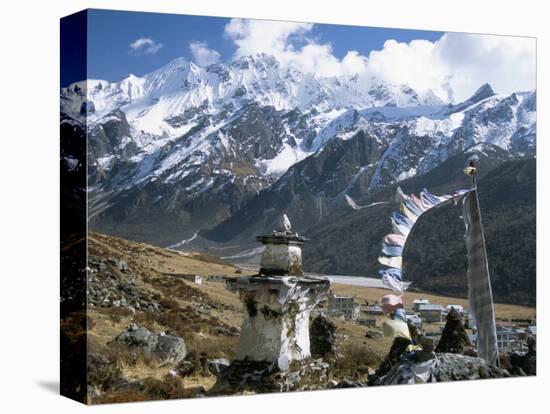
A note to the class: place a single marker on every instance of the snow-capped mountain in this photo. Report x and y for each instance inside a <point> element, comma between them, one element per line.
<point>182,85</point>
<point>184,148</point>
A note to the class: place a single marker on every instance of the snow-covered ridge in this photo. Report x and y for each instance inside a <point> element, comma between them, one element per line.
<point>205,130</point>
<point>181,85</point>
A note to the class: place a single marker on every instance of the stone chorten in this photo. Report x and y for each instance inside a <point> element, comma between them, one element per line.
<point>278,302</point>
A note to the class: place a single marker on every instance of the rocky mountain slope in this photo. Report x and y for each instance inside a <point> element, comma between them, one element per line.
<point>185,148</point>
<point>435,255</point>
<point>383,146</point>
<point>206,158</point>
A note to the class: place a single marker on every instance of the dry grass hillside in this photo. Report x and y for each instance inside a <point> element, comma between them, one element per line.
<point>207,316</point>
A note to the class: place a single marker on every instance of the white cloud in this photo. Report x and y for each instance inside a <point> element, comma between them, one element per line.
<point>145,46</point>
<point>202,55</point>
<point>254,36</point>
<point>414,63</point>
<point>458,63</point>
<point>507,63</point>
<point>453,66</point>
<point>278,39</point>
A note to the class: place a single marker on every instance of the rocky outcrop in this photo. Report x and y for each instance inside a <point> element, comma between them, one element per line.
<point>305,192</point>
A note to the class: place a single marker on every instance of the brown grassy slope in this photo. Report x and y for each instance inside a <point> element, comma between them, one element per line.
<point>192,313</point>
<point>159,259</point>
<point>195,311</point>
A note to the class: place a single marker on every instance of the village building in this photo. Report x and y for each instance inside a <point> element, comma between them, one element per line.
<point>418,302</point>
<point>344,306</point>
<point>373,310</point>
<point>431,313</point>
<point>511,339</point>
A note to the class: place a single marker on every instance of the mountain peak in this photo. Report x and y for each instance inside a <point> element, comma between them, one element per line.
<point>177,63</point>
<point>262,58</point>
<point>483,92</point>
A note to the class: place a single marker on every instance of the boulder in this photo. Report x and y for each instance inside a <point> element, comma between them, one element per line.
<point>136,337</point>
<point>170,349</point>
<point>161,348</point>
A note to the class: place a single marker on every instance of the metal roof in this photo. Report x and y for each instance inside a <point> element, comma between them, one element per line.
<point>430,306</point>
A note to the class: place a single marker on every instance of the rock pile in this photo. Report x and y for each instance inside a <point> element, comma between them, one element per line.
<point>347,383</point>
<point>322,337</point>
<point>442,367</point>
<point>525,364</point>
<point>454,337</point>
<point>413,362</point>
<point>111,284</point>
<point>263,377</point>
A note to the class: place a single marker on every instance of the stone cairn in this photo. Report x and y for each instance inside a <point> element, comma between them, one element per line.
<point>275,329</point>
<point>454,338</point>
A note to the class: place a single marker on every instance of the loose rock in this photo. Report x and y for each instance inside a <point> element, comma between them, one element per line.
<point>443,367</point>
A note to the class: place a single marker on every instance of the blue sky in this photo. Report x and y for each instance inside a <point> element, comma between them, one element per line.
<point>452,65</point>
<point>111,32</point>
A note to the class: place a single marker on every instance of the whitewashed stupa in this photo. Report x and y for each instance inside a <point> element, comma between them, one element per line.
<point>278,301</point>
